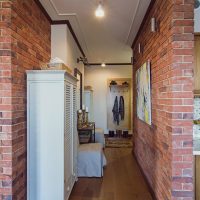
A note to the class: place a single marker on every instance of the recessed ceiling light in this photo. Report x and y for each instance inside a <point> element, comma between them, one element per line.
<point>103,65</point>
<point>100,11</point>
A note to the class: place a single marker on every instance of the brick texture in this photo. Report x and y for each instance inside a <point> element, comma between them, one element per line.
<point>5,102</point>
<point>182,142</point>
<point>24,45</point>
<point>164,150</point>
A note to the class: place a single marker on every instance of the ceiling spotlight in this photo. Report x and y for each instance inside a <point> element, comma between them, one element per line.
<point>99,11</point>
<point>103,65</point>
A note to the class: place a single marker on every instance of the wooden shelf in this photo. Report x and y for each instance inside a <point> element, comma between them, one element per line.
<point>119,86</point>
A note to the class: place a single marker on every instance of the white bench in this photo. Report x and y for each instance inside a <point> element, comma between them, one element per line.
<point>99,136</point>
<point>91,160</point>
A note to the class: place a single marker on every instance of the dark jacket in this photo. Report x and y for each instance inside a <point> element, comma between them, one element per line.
<point>121,107</point>
<point>115,111</point>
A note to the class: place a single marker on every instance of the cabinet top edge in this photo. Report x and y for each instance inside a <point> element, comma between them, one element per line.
<point>51,72</point>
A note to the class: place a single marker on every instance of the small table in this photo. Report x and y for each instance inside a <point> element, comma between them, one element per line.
<point>86,133</point>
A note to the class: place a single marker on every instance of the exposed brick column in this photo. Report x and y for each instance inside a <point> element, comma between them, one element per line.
<point>31,46</point>
<point>5,101</point>
<point>25,35</point>
<point>164,150</point>
<point>182,113</point>
<point>153,143</point>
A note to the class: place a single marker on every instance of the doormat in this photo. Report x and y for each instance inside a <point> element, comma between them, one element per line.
<point>119,142</point>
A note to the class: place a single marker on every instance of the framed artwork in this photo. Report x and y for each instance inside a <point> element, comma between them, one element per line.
<point>143,87</point>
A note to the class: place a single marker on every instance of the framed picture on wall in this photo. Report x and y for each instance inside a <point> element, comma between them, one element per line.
<point>143,88</point>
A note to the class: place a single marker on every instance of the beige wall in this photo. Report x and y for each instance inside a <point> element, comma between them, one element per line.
<point>97,78</point>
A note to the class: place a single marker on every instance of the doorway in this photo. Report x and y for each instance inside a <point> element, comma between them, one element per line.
<point>197,114</point>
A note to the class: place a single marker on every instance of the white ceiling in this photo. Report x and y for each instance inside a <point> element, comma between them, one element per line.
<point>103,40</point>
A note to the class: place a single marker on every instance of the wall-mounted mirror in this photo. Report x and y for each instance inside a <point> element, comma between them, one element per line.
<point>78,75</point>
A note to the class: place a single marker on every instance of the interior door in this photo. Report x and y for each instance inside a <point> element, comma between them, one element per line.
<point>197,65</point>
<point>197,91</point>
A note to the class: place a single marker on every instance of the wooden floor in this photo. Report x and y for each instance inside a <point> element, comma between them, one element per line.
<point>122,180</point>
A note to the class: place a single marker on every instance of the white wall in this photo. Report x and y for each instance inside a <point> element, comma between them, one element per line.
<point>197,20</point>
<point>97,78</point>
<point>64,47</point>
<point>59,42</point>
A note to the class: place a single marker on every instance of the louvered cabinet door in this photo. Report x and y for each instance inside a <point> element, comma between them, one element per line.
<point>74,133</point>
<point>68,147</point>
<point>51,134</point>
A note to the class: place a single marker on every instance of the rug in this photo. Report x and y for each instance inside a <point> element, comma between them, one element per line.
<point>119,142</point>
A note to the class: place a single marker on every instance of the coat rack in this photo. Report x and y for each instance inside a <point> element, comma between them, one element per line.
<point>117,88</point>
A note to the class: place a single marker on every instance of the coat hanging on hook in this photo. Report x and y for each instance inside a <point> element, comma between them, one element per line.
<point>115,111</point>
<point>121,107</point>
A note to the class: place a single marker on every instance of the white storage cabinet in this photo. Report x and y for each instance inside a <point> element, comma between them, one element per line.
<point>52,134</point>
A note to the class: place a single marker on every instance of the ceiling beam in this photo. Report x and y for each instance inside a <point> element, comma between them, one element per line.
<point>97,64</point>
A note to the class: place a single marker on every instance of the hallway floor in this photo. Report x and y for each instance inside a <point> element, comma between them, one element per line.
<point>122,180</point>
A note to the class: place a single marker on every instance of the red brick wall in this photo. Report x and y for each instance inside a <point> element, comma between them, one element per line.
<point>182,113</point>
<point>164,150</point>
<point>5,102</point>
<point>30,46</point>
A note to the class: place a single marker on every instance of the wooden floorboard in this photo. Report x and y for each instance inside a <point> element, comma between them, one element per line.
<point>122,180</point>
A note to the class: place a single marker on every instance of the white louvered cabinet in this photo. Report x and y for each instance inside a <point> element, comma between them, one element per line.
<point>52,134</point>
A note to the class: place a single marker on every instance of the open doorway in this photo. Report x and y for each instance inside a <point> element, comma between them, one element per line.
<point>196,128</point>
<point>110,86</point>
